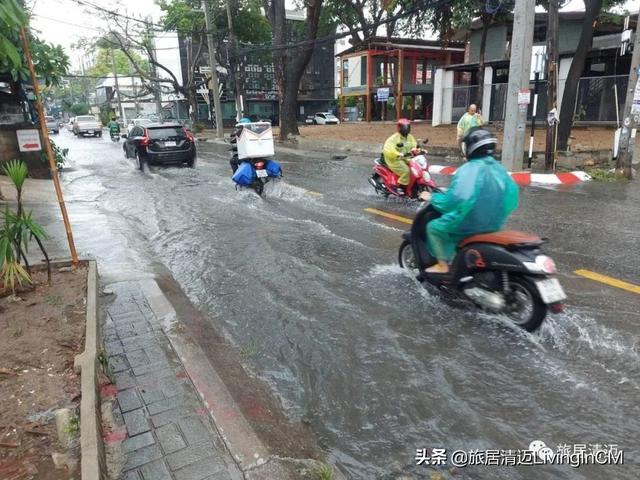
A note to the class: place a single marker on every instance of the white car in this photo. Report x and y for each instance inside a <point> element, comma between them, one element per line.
<point>325,118</point>
<point>138,122</point>
<point>87,125</point>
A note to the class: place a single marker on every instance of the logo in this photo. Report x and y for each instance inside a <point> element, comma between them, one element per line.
<point>539,448</point>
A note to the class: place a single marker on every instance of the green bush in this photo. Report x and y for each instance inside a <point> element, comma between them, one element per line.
<point>16,233</point>
<point>198,127</point>
<point>80,108</point>
<point>60,154</point>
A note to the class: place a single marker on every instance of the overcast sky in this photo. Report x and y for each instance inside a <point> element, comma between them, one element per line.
<point>65,22</point>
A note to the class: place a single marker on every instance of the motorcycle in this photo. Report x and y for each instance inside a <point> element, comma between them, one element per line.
<point>385,182</point>
<point>501,272</point>
<point>256,173</point>
<point>115,136</point>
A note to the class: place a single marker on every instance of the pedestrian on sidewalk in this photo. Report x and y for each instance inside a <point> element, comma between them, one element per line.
<point>469,120</point>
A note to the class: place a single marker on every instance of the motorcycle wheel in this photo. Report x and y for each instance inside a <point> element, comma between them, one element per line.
<point>524,306</point>
<point>406,257</point>
<point>258,186</point>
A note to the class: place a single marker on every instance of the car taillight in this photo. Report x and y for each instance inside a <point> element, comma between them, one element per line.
<point>259,164</point>
<point>189,136</point>
<point>144,141</point>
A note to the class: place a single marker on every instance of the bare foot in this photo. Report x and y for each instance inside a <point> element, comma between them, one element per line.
<point>440,267</point>
<point>424,196</point>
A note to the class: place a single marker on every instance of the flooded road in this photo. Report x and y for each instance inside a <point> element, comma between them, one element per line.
<point>307,285</point>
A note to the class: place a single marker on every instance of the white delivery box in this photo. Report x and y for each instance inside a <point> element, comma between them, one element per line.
<point>255,140</point>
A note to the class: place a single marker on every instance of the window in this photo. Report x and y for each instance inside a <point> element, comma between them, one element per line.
<point>345,73</point>
<point>166,132</point>
<point>321,115</point>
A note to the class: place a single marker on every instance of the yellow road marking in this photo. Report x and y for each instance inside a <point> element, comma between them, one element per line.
<point>613,282</point>
<point>315,194</point>
<point>392,216</point>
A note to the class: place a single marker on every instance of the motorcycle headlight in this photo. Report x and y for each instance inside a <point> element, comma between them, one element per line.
<point>426,176</point>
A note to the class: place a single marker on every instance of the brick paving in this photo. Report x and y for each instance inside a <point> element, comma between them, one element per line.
<point>169,434</point>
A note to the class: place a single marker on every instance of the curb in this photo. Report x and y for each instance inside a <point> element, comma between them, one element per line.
<point>250,454</point>
<point>92,462</point>
<point>527,178</point>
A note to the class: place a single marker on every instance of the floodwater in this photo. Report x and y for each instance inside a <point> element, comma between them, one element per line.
<point>308,286</point>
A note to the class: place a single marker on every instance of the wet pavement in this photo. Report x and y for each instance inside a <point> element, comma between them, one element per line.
<point>307,285</point>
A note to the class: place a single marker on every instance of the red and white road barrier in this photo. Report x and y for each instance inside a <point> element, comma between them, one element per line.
<point>526,178</point>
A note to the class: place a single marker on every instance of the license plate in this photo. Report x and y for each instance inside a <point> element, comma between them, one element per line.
<point>262,173</point>
<point>90,132</point>
<point>170,144</point>
<point>550,290</point>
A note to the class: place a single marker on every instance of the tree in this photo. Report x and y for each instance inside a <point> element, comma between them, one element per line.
<point>458,14</point>
<point>290,61</point>
<point>103,65</point>
<point>593,9</point>
<point>50,61</point>
<point>80,109</point>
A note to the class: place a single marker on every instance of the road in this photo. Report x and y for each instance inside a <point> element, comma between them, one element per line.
<point>305,283</point>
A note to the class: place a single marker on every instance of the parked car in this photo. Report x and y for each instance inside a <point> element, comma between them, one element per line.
<point>325,118</point>
<point>52,124</point>
<point>87,125</point>
<point>160,143</point>
<point>143,122</point>
<point>309,120</point>
<point>70,123</point>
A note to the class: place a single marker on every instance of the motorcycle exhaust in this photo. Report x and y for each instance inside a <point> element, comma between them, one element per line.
<point>489,300</point>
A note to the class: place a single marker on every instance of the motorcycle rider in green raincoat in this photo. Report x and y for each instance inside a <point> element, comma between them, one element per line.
<point>481,196</point>
<point>397,150</point>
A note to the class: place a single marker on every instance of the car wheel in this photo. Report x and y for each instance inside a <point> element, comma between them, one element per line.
<point>124,149</point>
<point>315,122</point>
<point>99,135</point>
<point>191,163</point>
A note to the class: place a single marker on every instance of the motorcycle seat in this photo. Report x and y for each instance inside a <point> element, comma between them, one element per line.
<point>505,238</point>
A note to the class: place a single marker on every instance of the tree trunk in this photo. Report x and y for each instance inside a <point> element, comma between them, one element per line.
<point>567,109</point>
<point>289,109</point>
<point>290,63</point>
<point>486,22</point>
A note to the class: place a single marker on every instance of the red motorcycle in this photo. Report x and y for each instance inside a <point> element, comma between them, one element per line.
<point>385,181</point>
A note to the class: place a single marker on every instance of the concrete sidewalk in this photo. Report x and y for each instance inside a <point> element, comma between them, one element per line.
<point>165,430</point>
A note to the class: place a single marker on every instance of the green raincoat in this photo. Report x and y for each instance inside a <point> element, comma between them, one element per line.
<point>479,200</point>
<point>392,158</point>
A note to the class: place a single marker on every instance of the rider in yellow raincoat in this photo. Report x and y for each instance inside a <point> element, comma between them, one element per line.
<point>481,196</point>
<point>396,151</point>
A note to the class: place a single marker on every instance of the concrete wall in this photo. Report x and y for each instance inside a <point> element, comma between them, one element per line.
<point>9,151</point>
<point>442,97</point>
<point>354,78</point>
<point>496,44</point>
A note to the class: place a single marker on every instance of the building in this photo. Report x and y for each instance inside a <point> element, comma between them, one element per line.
<point>601,91</point>
<point>317,87</point>
<point>397,69</point>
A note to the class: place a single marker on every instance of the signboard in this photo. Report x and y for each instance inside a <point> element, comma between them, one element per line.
<point>524,96</point>
<point>29,140</point>
<point>382,94</point>
<point>635,105</point>
<point>204,69</point>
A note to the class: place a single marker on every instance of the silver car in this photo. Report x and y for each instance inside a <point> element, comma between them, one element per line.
<point>52,124</point>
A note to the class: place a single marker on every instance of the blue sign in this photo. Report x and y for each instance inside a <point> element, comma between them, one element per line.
<point>382,94</point>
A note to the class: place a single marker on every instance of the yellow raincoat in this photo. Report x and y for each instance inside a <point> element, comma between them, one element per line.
<point>392,155</point>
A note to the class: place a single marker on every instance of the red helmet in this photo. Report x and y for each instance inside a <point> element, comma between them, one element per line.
<point>404,126</point>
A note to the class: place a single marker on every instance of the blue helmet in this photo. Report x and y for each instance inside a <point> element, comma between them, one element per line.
<point>245,120</point>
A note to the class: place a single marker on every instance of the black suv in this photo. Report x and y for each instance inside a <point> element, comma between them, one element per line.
<point>160,143</point>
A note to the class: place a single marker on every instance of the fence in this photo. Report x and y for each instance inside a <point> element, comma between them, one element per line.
<point>595,99</point>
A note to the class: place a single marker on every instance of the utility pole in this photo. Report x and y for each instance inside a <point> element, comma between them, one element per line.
<point>154,70</point>
<point>518,93</point>
<point>234,63</point>
<point>534,113</point>
<point>47,144</point>
<point>214,73</point>
<point>552,86</point>
<point>631,111</point>
<point>115,79</point>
